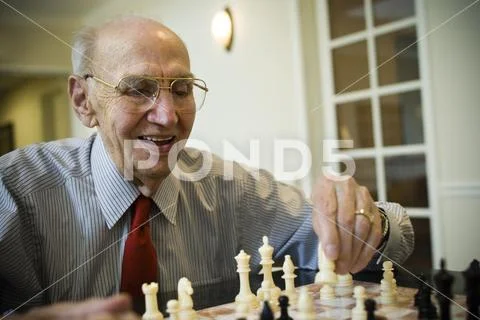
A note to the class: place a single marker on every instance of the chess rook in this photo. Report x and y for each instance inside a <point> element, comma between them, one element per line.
<point>151,303</point>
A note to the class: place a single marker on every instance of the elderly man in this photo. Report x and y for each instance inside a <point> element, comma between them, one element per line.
<point>96,217</point>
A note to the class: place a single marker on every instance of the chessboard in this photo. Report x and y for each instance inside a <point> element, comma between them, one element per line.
<point>330,296</point>
<point>341,307</point>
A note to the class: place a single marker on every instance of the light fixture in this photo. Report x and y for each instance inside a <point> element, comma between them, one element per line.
<point>222,28</point>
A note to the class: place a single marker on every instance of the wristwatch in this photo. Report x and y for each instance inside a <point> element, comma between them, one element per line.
<point>385,228</point>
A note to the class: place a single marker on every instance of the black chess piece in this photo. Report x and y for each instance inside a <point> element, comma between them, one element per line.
<point>443,282</point>
<point>421,280</point>
<point>370,307</point>
<point>267,313</point>
<point>472,289</point>
<point>283,303</point>
<point>426,308</point>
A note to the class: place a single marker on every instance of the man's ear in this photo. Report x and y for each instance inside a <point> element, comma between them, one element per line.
<point>78,93</point>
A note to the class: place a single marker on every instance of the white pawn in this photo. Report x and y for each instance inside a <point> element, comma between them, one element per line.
<point>185,302</point>
<point>388,267</point>
<point>326,273</point>
<point>289,276</point>
<point>327,293</point>
<point>242,310</point>
<point>151,304</point>
<point>359,313</point>
<point>270,295</point>
<point>388,285</point>
<point>344,286</point>
<point>305,306</point>
<point>245,296</point>
<point>173,309</point>
<point>266,252</point>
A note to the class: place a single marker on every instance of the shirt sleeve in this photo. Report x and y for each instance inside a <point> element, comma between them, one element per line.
<point>401,239</point>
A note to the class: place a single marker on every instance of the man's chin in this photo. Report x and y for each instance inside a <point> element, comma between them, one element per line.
<point>160,172</point>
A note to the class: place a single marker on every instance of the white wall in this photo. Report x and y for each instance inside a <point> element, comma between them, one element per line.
<point>254,91</point>
<point>454,50</point>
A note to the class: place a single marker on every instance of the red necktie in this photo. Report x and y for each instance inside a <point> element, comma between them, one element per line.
<point>139,258</point>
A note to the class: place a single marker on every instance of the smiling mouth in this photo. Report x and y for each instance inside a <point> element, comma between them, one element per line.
<point>158,141</point>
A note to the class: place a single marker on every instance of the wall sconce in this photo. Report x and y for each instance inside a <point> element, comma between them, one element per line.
<point>222,28</point>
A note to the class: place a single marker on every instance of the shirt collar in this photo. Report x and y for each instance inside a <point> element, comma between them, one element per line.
<point>116,195</point>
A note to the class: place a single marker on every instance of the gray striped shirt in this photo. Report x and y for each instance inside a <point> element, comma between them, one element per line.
<point>65,214</point>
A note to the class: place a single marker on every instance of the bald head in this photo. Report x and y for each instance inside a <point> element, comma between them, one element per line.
<point>98,49</point>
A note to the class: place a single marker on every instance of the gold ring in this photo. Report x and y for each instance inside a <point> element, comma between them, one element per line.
<point>362,212</point>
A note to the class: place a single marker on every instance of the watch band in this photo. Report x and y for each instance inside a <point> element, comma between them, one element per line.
<point>385,228</point>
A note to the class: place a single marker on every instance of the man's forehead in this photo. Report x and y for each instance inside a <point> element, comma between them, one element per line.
<point>139,42</point>
<point>138,33</point>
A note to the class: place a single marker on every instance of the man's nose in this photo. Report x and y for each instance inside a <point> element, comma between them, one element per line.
<point>163,110</point>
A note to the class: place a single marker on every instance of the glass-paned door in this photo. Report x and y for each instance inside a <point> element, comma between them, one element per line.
<point>374,97</point>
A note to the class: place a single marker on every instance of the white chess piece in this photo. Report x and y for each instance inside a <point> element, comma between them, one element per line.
<point>326,273</point>
<point>242,310</point>
<point>151,304</point>
<point>344,285</point>
<point>173,309</point>
<point>270,295</point>
<point>185,302</point>
<point>245,296</point>
<point>266,252</point>
<point>305,306</point>
<point>327,293</point>
<point>388,285</point>
<point>359,313</point>
<point>289,276</point>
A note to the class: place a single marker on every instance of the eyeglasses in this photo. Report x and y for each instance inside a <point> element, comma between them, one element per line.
<point>141,92</point>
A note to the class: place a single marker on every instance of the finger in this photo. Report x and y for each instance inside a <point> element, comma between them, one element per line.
<point>362,223</point>
<point>115,304</point>
<point>101,316</point>
<point>81,310</point>
<point>128,316</point>
<point>371,245</point>
<point>346,217</point>
<point>325,218</point>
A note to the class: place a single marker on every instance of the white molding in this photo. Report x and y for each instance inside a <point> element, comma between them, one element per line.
<point>419,212</point>
<point>344,41</point>
<point>380,91</point>
<point>395,26</point>
<point>326,70</point>
<point>300,88</point>
<point>352,96</point>
<point>436,223</point>
<point>400,88</point>
<point>410,149</point>
<point>461,189</point>
<point>404,150</point>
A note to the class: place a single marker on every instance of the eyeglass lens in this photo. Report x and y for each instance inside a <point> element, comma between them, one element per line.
<point>186,93</point>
